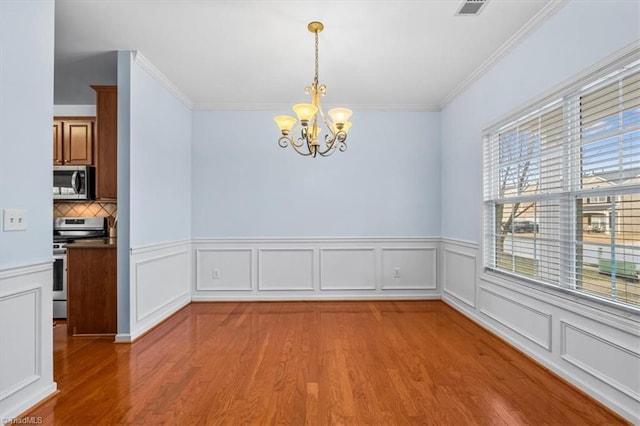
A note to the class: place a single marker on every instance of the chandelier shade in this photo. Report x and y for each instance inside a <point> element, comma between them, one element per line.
<point>305,112</point>
<point>304,134</point>
<point>285,123</point>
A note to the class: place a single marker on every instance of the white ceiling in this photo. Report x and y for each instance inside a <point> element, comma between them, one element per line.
<point>245,54</point>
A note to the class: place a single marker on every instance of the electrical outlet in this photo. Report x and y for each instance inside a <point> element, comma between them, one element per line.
<point>216,274</point>
<point>396,273</point>
<point>14,220</point>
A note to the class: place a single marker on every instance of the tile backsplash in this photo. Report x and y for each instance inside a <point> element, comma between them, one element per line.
<point>91,208</point>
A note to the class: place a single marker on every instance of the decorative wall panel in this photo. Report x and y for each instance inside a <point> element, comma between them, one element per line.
<point>286,269</point>
<point>20,341</point>
<point>315,268</point>
<point>347,269</point>
<point>160,285</point>
<point>26,337</point>
<point>459,275</point>
<point>224,269</point>
<point>409,268</point>
<point>525,320</point>
<point>612,363</point>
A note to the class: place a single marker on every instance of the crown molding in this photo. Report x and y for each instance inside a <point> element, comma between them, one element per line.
<point>144,63</point>
<point>286,107</point>
<point>545,13</point>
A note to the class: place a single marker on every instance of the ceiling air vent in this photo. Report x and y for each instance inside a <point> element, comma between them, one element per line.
<point>471,7</point>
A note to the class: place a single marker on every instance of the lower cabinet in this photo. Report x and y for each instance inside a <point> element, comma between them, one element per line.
<point>92,290</point>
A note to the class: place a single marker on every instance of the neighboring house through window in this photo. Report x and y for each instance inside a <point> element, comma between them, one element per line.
<point>562,189</point>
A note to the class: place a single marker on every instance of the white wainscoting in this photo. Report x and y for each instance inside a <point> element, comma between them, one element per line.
<point>592,346</point>
<point>287,269</point>
<point>237,269</point>
<point>348,268</point>
<point>160,284</point>
<point>459,271</point>
<point>26,335</point>
<point>319,268</point>
<point>593,354</point>
<point>529,322</point>
<point>406,268</point>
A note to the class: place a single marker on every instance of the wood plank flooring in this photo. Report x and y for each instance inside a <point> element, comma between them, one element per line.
<point>318,363</point>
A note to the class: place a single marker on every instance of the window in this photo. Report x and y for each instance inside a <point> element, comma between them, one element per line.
<point>598,199</point>
<point>562,190</point>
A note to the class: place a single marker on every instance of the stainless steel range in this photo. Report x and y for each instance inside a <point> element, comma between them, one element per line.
<point>65,231</point>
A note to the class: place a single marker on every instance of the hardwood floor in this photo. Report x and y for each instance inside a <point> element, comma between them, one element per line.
<point>320,363</point>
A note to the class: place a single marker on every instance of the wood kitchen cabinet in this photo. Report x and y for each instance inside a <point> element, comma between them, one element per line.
<point>92,302</point>
<point>73,140</point>
<point>106,142</point>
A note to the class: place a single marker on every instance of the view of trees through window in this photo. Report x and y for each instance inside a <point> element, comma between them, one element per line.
<point>562,191</point>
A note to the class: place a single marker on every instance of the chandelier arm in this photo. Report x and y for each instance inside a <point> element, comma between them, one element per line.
<point>327,152</point>
<point>301,139</point>
<point>301,143</point>
<point>284,141</point>
<point>303,153</point>
<point>337,142</point>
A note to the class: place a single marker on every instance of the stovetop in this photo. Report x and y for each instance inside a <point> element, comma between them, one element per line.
<point>69,229</point>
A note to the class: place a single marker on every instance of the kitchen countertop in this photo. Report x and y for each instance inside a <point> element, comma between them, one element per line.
<point>94,243</point>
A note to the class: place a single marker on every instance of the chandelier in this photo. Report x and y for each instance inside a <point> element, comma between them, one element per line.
<point>304,136</point>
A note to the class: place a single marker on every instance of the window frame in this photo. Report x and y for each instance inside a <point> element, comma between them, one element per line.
<point>569,97</point>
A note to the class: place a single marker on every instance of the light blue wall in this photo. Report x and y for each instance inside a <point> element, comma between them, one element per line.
<point>579,35</point>
<point>160,163</point>
<point>26,117</point>
<point>245,185</point>
<point>124,204</point>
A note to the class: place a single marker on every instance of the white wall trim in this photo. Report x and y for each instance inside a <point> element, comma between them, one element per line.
<point>281,107</point>
<point>200,253</point>
<point>158,75</point>
<point>307,264</point>
<point>28,402</point>
<point>123,338</point>
<point>545,344</point>
<point>312,296</point>
<point>572,303</point>
<point>313,240</point>
<point>371,281</point>
<point>156,259</point>
<point>18,271</point>
<point>160,285</point>
<point>27,370</point>
<point>36,291</point>
<point>543,15</point>
<point>470,302</point>
<point>565,325</point>
<point>434,267</point>
<point>262,285</point>
<point>460,243</point>
<point>160,246</point>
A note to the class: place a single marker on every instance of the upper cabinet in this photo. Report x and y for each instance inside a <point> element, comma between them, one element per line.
<point>106,158</point>
<point>73,140</point>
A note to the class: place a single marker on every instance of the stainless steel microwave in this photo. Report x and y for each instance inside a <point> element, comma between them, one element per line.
<point>73,182</point>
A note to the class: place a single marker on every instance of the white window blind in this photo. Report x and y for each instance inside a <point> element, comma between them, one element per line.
<point>562,190</point>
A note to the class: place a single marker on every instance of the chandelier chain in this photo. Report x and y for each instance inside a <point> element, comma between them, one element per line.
<point>315,79</point>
